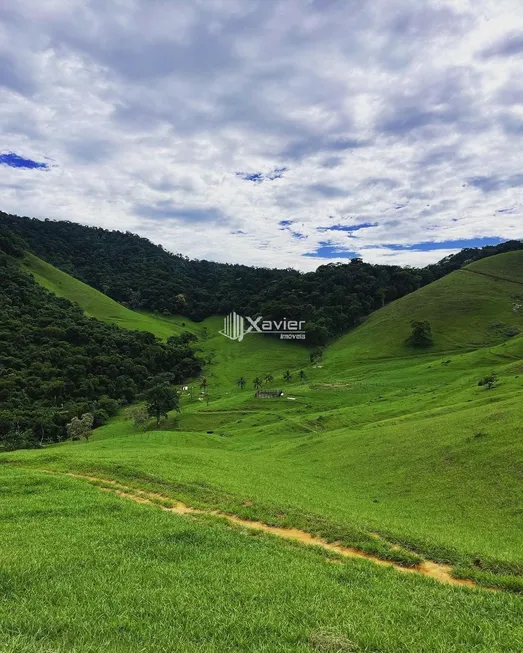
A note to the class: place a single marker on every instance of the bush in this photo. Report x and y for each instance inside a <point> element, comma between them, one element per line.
<point>421,335</point>
<point>488,381</point>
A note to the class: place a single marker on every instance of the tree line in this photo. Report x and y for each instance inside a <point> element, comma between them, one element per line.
<point>141,275</point>
<point>268,379</point>
<point>56,364</point>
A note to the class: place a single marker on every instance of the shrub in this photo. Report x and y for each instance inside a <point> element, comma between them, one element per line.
<point>421,335</point>
<point>488,381</point>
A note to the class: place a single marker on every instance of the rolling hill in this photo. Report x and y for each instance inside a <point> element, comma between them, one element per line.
<point>395,452</point>
<point>467,309</point>
<point>139,274</point>
<point>334,414</point>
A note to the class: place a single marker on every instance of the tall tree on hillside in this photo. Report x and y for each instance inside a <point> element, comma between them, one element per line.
<point>287,376</point>
<point>204,383</point>
<point>139,415</point>
<point>79,428</point>
<point>257,383</point>
<point>302,375</point>
<point>161,398</point>
<point>316,355</point>
<point>269,378</point>
<point>43,423</point>
<point>421,335</point>
<point>241,382</point>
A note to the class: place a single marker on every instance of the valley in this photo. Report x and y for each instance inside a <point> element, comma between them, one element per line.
<point>392,452</point>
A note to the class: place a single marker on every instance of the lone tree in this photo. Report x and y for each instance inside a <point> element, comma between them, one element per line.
<point>316,355</point>
<point>241,382</point>
<point>287,376</point>
<point>139,415</point>
<point>489,381</point>
<point>269,378</point>
<point>302,375</point>
<point>421,335</point>
<point>203,383</point>
<point>161,398</point>
<point>82,427</point>
<point>257,382</point>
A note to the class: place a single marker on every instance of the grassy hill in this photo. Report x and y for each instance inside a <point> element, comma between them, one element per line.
<point>467,309</point>
<point>506,266</point>
<point>96,304</point>
<point>395,452</point>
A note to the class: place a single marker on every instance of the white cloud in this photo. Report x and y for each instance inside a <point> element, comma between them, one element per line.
<point>401,114</point>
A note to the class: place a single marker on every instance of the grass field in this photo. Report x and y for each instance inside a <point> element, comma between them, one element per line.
<point>99,573</point>
<point>395,452</point>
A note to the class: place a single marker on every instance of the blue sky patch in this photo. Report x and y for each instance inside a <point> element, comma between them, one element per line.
<point>285,225</point>
<point>326,250</point>
<point>446,244</point>
<point>256,177</point>
<point>260,177</point>
<point>14,161</point>
<point>348,228</point>
<point>277,173</point>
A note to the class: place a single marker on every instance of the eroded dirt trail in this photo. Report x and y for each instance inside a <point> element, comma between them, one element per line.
<point>440,572</point>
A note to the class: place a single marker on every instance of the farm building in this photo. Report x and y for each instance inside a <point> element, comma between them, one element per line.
<point>268,394</point>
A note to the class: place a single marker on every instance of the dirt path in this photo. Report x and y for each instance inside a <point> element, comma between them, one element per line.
<point>492,276</point>
<point>437,571</point>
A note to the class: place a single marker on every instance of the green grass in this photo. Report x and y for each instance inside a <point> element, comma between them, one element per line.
<point>435,464</point>
<point>381,447</point>
<point>505,266</point>
<point>255,355</point>
<point>85,571</point>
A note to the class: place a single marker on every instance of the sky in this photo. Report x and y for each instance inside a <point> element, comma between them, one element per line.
<point>279,133</point>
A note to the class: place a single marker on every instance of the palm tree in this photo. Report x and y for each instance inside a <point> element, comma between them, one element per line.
<point>257,382</point>
<point>241,382</point>
<point>287,376</point>
<point>302,375</point>
<point>269,378</point>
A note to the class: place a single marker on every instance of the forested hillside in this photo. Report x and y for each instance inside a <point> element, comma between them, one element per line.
<point>56,363</point>
<point>141,275</point>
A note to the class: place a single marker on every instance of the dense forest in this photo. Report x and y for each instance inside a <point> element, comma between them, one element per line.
<point>141,275</point>
<point>56,363</point>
